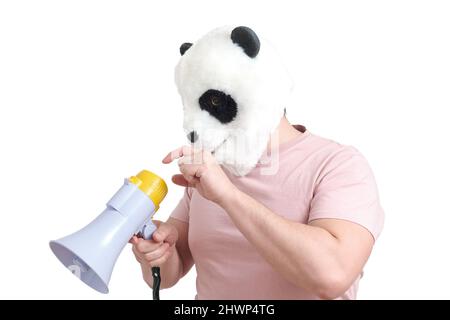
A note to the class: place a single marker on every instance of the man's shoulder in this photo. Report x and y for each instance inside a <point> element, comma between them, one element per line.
<point>325,148</point>
<point>332,156</point>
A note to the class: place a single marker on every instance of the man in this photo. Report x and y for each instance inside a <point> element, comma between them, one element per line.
<point>304,231</point>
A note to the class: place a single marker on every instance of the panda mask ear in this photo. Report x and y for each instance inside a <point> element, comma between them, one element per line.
<point>184,47</point>
<point>247,39</point>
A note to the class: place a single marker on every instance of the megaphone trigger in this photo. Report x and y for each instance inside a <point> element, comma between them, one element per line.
<point>147,230</point>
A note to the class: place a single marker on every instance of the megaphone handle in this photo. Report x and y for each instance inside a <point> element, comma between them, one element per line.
<point>146,233</point>
<point>147,230</point>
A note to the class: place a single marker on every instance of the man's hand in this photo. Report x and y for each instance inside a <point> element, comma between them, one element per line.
<point>199,169</point>
<point>159,249</point>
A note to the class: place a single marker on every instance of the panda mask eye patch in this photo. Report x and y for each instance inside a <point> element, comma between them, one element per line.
<point>219,105</point>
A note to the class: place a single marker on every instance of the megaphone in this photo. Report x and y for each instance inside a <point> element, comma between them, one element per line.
<point>91,252</point>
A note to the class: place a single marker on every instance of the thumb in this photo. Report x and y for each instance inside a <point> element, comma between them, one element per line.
<point>166,233</point>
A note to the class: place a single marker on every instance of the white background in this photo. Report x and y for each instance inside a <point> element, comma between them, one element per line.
<point>87,98</point>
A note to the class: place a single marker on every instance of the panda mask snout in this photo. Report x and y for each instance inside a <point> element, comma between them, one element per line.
<point>192,136</point>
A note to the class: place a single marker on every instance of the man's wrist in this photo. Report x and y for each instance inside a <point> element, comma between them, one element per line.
<point>231,196</point>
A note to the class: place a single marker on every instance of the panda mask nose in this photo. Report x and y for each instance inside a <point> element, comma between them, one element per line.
<point>192,136</point>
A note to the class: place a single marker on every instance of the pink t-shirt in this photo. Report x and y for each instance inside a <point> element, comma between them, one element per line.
<point>317,178</point>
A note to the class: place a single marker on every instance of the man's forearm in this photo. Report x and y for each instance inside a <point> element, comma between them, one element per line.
<point>305,255</point>
<point>171,271</point>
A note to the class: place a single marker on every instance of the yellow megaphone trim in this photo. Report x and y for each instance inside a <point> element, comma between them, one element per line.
<point>152,185</point>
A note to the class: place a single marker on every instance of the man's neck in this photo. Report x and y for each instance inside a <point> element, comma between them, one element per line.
<point>285,132</point>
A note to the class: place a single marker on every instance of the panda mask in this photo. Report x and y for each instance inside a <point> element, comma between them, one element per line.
<point>234,90</point>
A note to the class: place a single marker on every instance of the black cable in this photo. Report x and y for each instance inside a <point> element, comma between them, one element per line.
<point>156,282</point>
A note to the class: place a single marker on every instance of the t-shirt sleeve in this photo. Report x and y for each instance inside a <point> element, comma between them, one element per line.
<point>346,189</point>
<point>181,211</point>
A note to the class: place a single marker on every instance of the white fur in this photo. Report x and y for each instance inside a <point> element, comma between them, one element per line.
<point>260,86</point>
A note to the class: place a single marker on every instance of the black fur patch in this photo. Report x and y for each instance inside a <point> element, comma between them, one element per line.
<point>184,47</point>
<point>247,39</point>
<point>218,104</point>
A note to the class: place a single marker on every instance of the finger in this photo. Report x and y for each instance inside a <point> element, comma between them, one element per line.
<point>189,171</point>
<point>200,172</point>
<point>177,153</point>
<point>158,253</point>
<point>137,254</point>
<point>133,240</point>
<point>195,157</point>
<point>166,233</point>
<point>160,261</point>
<point>145,246</point>
<point>157,223</point>
<point>178,179</point>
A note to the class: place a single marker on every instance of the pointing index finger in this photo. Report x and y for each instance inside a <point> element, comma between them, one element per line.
<point>177,153</point>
